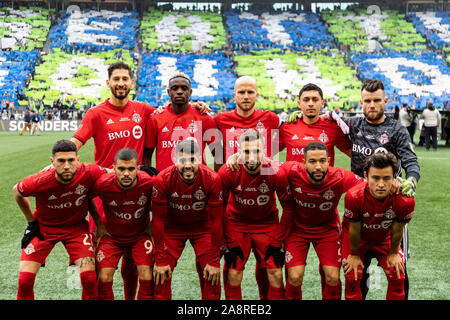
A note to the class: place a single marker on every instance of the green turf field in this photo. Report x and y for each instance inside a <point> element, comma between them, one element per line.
<point>428,267</point>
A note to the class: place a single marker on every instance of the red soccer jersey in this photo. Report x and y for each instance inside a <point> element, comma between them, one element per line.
<point>59,205</point>
<point>232,125</point>
<point>295,137</point>
<point>114,128</point>
<point>251,203</point>
<point>315,205</point>
<point>165,130</point>
<point>376,216</point>
<point>187,204</point>
<point>126,211</point>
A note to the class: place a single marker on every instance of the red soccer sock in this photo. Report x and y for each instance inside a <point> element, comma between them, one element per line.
<point>352,289</point>
<point>145,291</point>
<point>332,292</point>
<point>322,281</point>
<point>89,285</point>
<point>130,278</point>
<point>26,285</point>
<point>395,289</point>
<point>275,293</point>
<point>293,292</point>
<point>163,291</point>
<point>105,290</point>
<point>233,292</point>
<point>263,281</point>
<point>210,292</point>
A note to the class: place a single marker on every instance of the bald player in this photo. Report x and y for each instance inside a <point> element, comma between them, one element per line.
<point>234,123</point>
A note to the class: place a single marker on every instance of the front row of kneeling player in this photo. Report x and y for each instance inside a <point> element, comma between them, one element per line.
<point>189,201</point>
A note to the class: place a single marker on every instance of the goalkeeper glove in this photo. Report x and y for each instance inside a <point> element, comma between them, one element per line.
<point>30,232</point>
<point>278,255</point>
<point>408,187</point>
<point>231,256</point>
<point>150,170</point>
<point>294,116</point>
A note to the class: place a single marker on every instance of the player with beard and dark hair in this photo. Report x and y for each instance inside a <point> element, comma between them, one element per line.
<point>187,205</point>
<point>251,218</point>
<point>126,195</point>
<point>316,188</point>
<point>376,132</point>
<point>374,221</point>
<point>59,216</point>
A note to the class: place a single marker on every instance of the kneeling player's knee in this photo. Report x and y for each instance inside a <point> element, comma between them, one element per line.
<point>275,276</point>
<point>332,279</point>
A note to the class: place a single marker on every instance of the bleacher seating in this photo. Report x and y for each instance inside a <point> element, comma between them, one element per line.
<point>435,26</point>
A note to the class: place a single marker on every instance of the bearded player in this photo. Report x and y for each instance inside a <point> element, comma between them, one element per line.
<point>251,217</point>
<point>232,124</point>
<point>316,188</point>
<point>374,221</point>
<point>126,195</point>
<point>187,205</point>
<point>61,195</point>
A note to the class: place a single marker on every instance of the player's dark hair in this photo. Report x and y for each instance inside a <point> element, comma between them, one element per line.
<point>126,154</point>
<point>64,146</point>
<point>251,135</point>
<point>188,146</point>
<point>372,85</point>
<point>310,87</point>
<point>119,66</point>
<point>179,75</point>
<point>315,146</point>
<point>381,160</point>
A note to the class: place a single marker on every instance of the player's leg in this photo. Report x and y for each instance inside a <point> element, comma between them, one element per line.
<point>175,244</point>
<point>232,288</point>
<point>273,274</point>
<point>129,274</point>
<point>352,286</point>
<point>396,285</point>
<point>142,253</point>
<point>27,277</point>
<point>297,249</point>
<point>206,254</point>
<point>404,246</point>
<point>79,246</point>
<point>328,248</point>
<point>108,255</point>
<point>32,258</point>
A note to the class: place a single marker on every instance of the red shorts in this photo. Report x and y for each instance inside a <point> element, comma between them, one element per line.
<point>200,241</point>
<point>77,241</point>
<point>326,244</point>
<point>110,250</point>
<point>379,250</point>
<point>258,242</point>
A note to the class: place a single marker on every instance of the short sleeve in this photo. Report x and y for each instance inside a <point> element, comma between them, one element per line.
<point>151,135</point>
<point>351,179</point>
<point>87,127</point>
<point>343,142</point>
<point>215,194</point>
<point>158,191</point>
<point>406,209</point>
<point>28,186</point>
<point>210,132</point>
<point>352,209</point>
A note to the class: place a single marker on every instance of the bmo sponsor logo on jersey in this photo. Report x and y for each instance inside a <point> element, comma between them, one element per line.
<point>261,200</point>
<point>128,216</point>
<point>169,143</point>
<point>386,224</point>
<point>325,206</point>
<point>136,132</point>
<point>64,205</point>
<point>297,151</point>
<point>180,207</point>
<point>361,149</point>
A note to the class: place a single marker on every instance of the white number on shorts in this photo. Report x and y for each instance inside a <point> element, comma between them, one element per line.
<point>149,246</point>
<point>87,239</point>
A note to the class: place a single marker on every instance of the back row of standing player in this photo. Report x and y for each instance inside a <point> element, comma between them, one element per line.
<point>119,122</point>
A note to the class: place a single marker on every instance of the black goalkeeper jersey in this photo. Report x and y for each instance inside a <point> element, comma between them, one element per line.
<point>367,138</point>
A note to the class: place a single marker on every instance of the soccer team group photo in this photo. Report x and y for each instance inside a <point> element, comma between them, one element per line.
<point>224,151</point>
